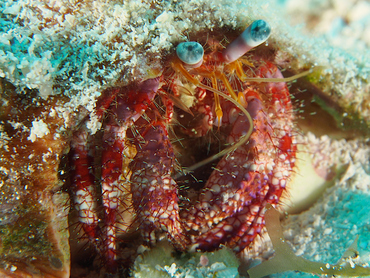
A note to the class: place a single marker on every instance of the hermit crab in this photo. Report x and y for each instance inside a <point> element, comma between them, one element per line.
<point>228,95</point>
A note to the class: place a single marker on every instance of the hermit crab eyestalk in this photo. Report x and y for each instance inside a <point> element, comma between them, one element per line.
<point>256,33</point>
<point>190,53</point>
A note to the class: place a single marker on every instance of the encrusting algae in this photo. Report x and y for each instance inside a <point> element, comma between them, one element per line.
<point>33,212</point>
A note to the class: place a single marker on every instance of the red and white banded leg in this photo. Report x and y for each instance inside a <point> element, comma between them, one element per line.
<point>83,185</point>
<point>125,112</point>
<point>154,192</point>
<point>230,207</point>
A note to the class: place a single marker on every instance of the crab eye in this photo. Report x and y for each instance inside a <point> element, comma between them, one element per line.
<point>191,53</point>
<point>256,33</point>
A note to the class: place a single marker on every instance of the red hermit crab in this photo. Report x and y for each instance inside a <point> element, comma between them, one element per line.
<point>242,99</point>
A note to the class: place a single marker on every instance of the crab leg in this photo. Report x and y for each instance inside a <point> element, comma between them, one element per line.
<point>230,207</point>
<point>113,145</point>
<point>126,111</point>
<point>154,192</point>
<point>83,184</point>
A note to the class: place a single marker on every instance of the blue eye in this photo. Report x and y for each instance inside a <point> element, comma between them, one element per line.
<point>191,53</point>
<point>257,33</point>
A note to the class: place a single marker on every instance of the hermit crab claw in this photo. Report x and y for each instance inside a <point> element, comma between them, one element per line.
<point>256,33</point>
<point>190,53</point>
